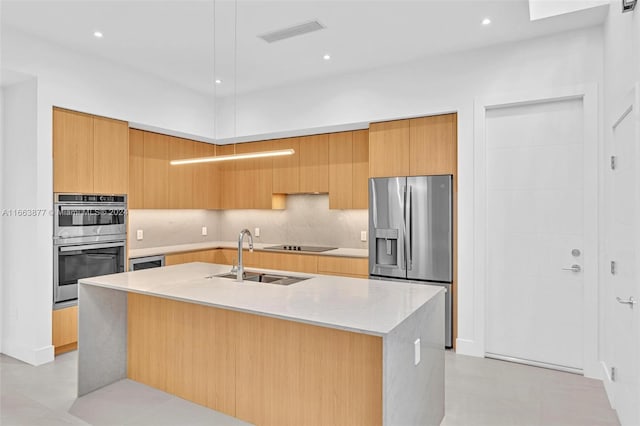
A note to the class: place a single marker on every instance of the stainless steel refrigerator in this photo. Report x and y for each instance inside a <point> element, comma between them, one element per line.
<point>411,233</point>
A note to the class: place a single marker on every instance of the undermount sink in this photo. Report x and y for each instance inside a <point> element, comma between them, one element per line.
<point>267,278</point>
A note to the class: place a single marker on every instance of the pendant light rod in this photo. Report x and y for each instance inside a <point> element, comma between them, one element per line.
<point>246,156</point>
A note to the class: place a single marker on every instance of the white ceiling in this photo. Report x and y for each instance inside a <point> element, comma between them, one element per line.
<point>174,39</point>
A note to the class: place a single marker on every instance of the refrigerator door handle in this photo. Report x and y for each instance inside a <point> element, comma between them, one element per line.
<point>409,240</point>
<point>407,227</point>
<point>403,247</point>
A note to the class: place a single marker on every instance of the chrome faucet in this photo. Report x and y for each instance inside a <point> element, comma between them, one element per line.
<point>240,270</point>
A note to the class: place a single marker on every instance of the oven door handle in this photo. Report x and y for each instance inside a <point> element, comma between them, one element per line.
<point>91,246</point>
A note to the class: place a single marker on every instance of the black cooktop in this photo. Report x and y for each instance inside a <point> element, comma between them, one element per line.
<point>294,247</point>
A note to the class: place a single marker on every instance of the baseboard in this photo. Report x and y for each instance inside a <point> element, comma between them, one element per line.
<point>608,384</point>
<point>31,356</point>
<point>66,348</point>
<point>469,347</point>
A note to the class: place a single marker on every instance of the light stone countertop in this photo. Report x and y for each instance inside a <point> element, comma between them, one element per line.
<point>153,251</point>
<point>360,305</point>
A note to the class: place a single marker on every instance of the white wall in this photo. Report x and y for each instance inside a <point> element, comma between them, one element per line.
<point>433,85</point>
<point>26,290</point>
<point>2,129</point>
<point>81,83</point>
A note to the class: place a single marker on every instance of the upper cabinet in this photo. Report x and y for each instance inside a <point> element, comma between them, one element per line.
<point>286,178</point>
<point>414,147</point>
<point>348,170</point>
<point>254,177</point>
<point>206,179</point>
<point>90,154</point>
<point>156,184</point>
<point>433,145</point>
<point>314,164</point>
<point>136,169</point>
<point>361,169</point>
<point>156,171</point>
<point>389,148</point>
<point>181,177</point>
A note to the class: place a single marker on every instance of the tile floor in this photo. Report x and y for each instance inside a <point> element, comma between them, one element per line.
<point>478,392</point>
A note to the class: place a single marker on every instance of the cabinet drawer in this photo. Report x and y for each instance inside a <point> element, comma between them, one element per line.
<point>344,266</point>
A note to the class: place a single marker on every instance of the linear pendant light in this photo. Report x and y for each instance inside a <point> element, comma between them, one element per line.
<point>245,156</point>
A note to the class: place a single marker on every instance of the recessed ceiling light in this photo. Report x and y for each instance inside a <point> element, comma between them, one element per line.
<point>218,81</point>
<point>326,57</point>
<point>486,21</point>
<point>97,34</point>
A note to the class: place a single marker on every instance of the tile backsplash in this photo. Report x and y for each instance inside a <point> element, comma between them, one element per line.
<point>172,227</point>
<point>306,220</point>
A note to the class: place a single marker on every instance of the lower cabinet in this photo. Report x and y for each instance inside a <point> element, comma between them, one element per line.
<point>191,256</point>
<point>355,267</point>
<point>65,329</point>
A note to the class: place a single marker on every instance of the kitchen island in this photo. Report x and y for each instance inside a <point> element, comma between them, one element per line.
<point>327,350</point>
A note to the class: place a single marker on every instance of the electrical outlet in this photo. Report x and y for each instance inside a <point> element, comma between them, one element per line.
<point>416,352</point>
<point>204,231</point>
<point>140,235</point>
<point>256,232</point>
<point>363,235</point>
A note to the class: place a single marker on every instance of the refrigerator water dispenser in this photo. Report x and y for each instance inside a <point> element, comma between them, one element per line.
<point>386,247</point>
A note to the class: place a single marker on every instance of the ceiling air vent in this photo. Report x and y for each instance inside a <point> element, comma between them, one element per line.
<point>294,31</point>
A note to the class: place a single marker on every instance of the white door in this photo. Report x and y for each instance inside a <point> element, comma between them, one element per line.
<point>622,316</point>
<point>536,228</point>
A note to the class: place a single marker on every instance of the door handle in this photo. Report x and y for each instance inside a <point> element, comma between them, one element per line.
<point>573,268</point>
<point>631,301</point>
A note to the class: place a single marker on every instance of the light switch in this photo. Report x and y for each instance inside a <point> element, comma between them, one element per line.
<point>363,235</point>
<point>256,232</point>
<point>204,230</point>
<point>139,235</point>
<point>416,352</point>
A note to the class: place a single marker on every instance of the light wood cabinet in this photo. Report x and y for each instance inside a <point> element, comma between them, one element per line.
<point>341,170</point>
<point>262,370</point>
<point>110,156</point>
<point>65,329</point>
<point>136,169</point>
<point>329,265</point>
<point>389,148</point>
<point>433,143</point>
<point>208,256</point>
<point>286,169</point>
<point>227,170</point>
<point>348,170</point>
<point>230,257</point>
<point>344,266</point>
<point>206,179</point>
<point>156,171</point>
<point>90,154</point>
<point>181,177</point>
<point>288,262</point>
<point>254,177</point>
<point>415,147</point>
<point>361,169</point>
<point>314,164</point>
<point>72,151</point>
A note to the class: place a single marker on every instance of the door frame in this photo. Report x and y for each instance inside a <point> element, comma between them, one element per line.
<point>589,96</point>
<point>629,105</point>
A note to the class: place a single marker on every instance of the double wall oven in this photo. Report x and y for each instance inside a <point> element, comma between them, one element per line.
<point>90,237</point>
